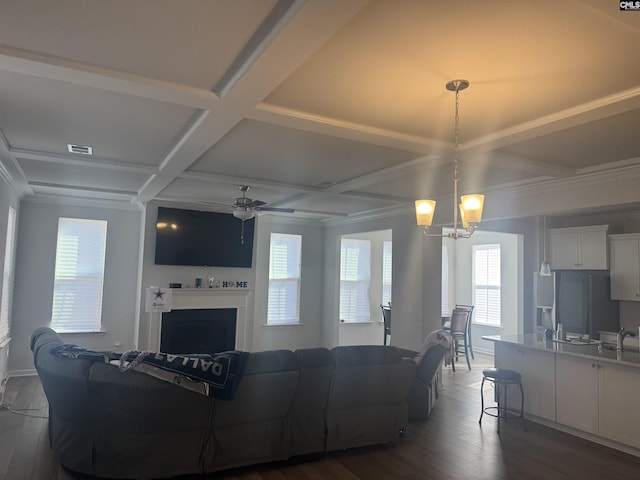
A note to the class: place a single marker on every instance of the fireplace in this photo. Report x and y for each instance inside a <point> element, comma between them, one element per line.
<point>206,298</point>
<point>198,330</point>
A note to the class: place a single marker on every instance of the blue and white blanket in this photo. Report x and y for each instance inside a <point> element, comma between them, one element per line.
<point>216,375</point>
<point>439,337</point>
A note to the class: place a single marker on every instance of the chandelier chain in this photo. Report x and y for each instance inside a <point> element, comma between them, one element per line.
<point>457,135</point>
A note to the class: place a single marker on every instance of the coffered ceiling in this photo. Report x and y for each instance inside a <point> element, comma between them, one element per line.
<point>336,108</point>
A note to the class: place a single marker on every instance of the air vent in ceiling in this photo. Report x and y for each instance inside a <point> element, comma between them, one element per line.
<point>80,149</point>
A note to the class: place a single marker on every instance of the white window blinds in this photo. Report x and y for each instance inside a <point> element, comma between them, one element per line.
<point>7,276</point>
<point>79,275</point>
<point>355,278</point>
<point>387,263</point>
<point>284,279</point>
<point>486,284</point>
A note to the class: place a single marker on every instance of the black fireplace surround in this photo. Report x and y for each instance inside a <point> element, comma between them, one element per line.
<point>199,330</point>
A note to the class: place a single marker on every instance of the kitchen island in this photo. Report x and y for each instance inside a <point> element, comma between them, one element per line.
<point>584,388</point>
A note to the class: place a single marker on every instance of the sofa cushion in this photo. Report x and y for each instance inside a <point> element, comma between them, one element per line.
<point>252,428</point>
<point>307,430</point>
<point>367,400</point>
<point>345,356</point>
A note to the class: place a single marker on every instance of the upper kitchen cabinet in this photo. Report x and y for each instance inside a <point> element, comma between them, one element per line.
<point>625,267</point>
<point>579,248</point>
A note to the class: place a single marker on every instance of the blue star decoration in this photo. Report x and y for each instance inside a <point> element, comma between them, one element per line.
<point>159,294</point>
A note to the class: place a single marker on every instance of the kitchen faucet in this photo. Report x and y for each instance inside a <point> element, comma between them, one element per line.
<point>620,339</point>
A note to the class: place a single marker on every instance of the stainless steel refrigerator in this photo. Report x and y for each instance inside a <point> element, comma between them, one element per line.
<point>579,299</point>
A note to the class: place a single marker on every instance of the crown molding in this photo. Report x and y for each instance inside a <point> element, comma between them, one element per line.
<point>52,199</point>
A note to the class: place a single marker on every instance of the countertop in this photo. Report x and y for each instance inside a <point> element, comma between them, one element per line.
<point>599,352</point>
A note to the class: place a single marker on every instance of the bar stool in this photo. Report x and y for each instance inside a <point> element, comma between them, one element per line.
<point>501,379</point>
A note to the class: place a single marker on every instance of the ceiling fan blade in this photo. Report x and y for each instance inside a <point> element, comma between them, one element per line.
<point>275,209</point>
<point>255,203</point>
<point>216,203</point>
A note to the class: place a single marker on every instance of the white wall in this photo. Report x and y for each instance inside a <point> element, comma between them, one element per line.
<point>416,281</point>
<point>35,269</point>
<point>8,197</point>
<point>131,244</point>
<point>308,333</point>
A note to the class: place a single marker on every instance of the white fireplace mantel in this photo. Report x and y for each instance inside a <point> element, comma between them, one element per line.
<point>192,298</point>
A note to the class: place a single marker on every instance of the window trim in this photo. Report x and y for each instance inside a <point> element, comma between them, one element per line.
<point>387,262</point>
<point>297,279</point>
<point>363,280</point>
<point>8,278</point>
<point>477,317</point>
<point>99,264</point>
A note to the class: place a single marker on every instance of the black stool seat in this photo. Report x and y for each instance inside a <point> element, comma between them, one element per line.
<point>502,374</point>
<point>501,379</point>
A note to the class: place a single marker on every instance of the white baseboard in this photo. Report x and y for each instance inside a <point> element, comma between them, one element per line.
<point>483,350</point>
<point>22,373</point>
<point>587,436</point>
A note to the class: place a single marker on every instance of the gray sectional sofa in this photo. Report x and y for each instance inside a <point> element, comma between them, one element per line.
<point>110,424</point>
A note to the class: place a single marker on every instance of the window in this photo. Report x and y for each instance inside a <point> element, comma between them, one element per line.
<point>486,284</point>
<point>79,276</point>
<point>7,276</point>
<point>284,279</point>
<point>355,276</point>
<point>444,300</point>
<point>387,262</point>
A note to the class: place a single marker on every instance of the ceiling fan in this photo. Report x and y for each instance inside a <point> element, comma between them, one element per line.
<point>245,208</point>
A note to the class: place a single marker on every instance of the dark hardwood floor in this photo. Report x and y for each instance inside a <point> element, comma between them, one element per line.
<point>449,445</point>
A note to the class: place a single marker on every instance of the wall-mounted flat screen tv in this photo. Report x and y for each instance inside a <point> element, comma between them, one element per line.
<point>212,239</point>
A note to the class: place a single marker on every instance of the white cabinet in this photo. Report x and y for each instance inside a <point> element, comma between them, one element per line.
<point>538,378</point>
<point>577,393</point>
<point>619,417</point>
<point>579,248</point>
<point>625,267</point>
<point>599,397</point>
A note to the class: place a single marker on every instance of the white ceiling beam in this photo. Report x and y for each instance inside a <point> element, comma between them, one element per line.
<point>92,76</point>
<point>300,120</point>
<point>524,165</point>
<point>88,161</point>
<point>81,191</point>
<point>412,166</point>
<point>277,19</point>
<point>608,106</point>
<point>297,38</point>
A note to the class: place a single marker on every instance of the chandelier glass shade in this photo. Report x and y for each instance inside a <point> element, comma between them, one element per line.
<point>244,213</point>
<point>470,207</point>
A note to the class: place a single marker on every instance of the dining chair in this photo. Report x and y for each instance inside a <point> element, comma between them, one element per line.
<point>386,317</point>
<point>458,330</point>
<point>469,309</point>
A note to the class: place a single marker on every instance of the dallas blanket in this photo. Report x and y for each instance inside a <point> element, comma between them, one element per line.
<point>216,375</point>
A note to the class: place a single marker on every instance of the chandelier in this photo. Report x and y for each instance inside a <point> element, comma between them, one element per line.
<point>470,205</point>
